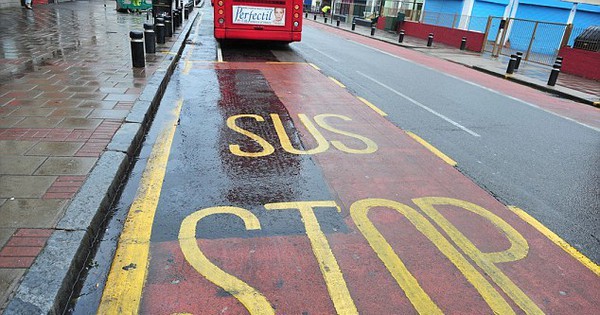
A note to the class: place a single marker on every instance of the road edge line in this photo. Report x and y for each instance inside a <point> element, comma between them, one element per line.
<point>592,266</point>
<point>433,149</point>
<point>372,106</point>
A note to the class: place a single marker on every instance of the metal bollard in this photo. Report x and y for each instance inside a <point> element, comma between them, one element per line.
<point>325,20</point>
<point>554,75</point>
<point>315,17</point>
<point>306,15</point>
<point>337,23</point>
<point>137,49</point>
<point>175,19</point>
<point>463,43</point>
<point>353,24</point>
<point>372,30</point>
<point>160,30</point>
<point>401,37</point>
<point>518,63</point>
<point>430,40</point>
<point>558,62</point>
<point>168,26</point>
<point>149,38</point>
<point>511,64</point>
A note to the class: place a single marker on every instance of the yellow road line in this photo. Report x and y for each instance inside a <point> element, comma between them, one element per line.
<point>432,149</point>
<point>337,82</point>
<point>314,66</point>
<point>556,239</point>
<point>373,107</point>
<point>123,291</point>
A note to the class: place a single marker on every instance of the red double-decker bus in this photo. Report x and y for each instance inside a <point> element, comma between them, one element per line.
<point>276,20</point>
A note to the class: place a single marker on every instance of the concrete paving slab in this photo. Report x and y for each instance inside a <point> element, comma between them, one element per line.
<point>8,280</point>
<point>80,123</point>
<point>72,112</point>
<point>40,122</point>
<point>14,186</point>
<point>14,147</point>
<point>119,114</point>
<point>20,165</point>
<point>27,112</point>
<point>55,148</point>
<point>5,234</point>
<point>8,122</point>
<point>98,104</point>
<point>31,213</point>
<point>66,166</point>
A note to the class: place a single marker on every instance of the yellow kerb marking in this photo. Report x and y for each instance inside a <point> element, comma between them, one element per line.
<point>123,290</point>
<point>254,302</point>
<point>314,66</point>
<point>373,107</point>
<point>432,149</point>
<point>556,240</point>
<point>337,82</point>
<point>336,285</point>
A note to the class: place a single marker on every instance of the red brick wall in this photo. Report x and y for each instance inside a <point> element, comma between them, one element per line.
<point>580,62</point>
<point>445,35</point>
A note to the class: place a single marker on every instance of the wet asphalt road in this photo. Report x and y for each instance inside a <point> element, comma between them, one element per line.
<point>544,164</point>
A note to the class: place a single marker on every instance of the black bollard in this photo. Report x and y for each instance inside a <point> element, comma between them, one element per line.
<point>176,23</point>
<point>337,23</point>
<point>558,63</point>
<point>168,26</point>
<point>137,49</point>
<point>518,62</point>
<point>315,17</point>
<point>401,37</point>
<point>554,75</point>
<point>160,30</point>
<point>353,24</point>
<point>149,38</point>
<point>430,40</point>
<point>306,15</point>
<point>463,43</point>
<point>511,64</point>
<point>325,20</point>
<point>372,30</point>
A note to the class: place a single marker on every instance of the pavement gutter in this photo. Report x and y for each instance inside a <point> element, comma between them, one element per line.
<point>47,286</point>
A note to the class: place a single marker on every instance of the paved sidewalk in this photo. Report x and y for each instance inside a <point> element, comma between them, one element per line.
<point>529,73</point>
<point>67,87</point>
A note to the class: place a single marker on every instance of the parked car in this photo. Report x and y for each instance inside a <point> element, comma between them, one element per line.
<point>589,39</point>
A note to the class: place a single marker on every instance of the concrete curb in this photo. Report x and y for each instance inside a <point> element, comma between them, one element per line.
<point>47,286</point>
<point>571,94</point>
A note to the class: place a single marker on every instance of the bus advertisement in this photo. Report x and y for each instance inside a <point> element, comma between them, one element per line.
<point>274,20</point>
